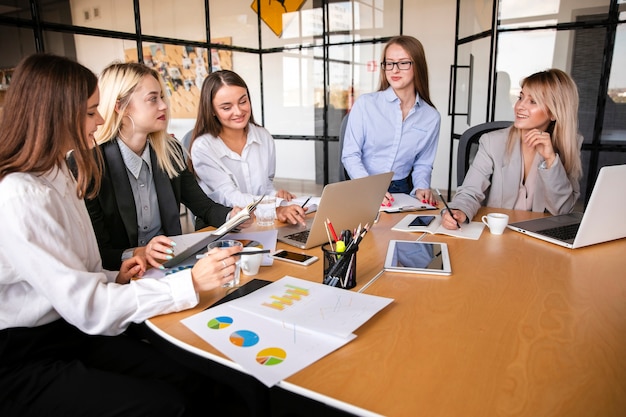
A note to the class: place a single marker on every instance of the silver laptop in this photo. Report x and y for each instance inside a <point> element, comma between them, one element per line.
<point>601,222</point>
<point>346,204</point>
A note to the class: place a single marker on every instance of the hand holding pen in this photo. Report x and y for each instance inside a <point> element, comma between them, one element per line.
<point>449,212</point>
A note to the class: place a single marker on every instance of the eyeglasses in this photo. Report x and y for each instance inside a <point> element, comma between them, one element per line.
<point>402,66</point>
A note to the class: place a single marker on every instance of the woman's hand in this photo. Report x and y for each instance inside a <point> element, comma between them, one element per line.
<point>291,213</point>
<point>449,222</point>
<point>284,194</point>
<point>542,143</point>
<point>215,269</point>
<point>158,250</point>
<point>245,224</point>
<point>133,267</point>
<point>387,200</point>
<point>426,196</point>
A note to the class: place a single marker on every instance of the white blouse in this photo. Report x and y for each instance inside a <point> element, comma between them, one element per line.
<point>232,179</point>
<point>50,266</point>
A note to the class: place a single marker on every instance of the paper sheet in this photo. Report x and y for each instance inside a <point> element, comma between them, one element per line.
<point>285,326</point>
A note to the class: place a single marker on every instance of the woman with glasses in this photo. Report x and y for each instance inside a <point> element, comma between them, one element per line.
<point>397,127</point>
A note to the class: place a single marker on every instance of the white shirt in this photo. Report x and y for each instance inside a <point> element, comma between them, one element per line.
<point>50,266</point>
<point>232,179</point>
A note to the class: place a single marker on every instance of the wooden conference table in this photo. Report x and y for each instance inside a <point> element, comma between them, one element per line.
<point>520,328</point>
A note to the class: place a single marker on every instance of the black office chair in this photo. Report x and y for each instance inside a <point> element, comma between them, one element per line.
<point>343,174</point>
<point>468,146</point>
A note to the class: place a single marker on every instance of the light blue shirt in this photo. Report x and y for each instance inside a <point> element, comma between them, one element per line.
<point>377,140</point>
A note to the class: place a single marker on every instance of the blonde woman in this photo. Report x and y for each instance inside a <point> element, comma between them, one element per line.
<point>145,177</point>
<point>533,165</point>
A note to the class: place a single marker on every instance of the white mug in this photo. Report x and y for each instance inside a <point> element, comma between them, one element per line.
<point>250,264</point>
<point>496,222</point>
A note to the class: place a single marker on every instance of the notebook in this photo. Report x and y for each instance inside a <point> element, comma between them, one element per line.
<point>601,222</point>
<point>346,204</point>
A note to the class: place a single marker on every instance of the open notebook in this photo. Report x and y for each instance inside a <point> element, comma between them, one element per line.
<point>602,221</point>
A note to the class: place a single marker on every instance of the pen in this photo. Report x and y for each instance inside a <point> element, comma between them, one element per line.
<point>252,252</point>
<point>304,204</point>
<point>447,208</point>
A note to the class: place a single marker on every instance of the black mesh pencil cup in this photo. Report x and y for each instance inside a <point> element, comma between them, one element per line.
<point>339,267</point>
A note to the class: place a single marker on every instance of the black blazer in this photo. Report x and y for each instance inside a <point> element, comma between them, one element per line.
<point>114,216</point>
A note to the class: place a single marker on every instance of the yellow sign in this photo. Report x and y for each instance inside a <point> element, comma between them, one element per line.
<point>272,12</point>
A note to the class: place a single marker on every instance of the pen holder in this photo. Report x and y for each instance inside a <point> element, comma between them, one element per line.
<point>339,267</point>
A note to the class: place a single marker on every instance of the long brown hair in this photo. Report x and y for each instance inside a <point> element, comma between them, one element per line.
<point>44,118</point>
<point>555,91</point>
<point>207,121</point>
<point>414,48</point>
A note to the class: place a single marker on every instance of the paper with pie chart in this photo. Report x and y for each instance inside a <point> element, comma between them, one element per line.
<point>267,348</point>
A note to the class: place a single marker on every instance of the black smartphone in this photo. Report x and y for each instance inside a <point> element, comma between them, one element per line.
<point>422,221</point>
<point>294,257</point>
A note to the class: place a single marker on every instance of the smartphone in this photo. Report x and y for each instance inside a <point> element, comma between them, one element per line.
<point>422,221</point>
<point>293,257</point>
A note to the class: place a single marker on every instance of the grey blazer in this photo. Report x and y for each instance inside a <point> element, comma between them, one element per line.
<point>493,180</point>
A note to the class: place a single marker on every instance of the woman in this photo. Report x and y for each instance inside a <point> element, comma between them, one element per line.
<point>60,311</point>
<point>145,177</point>
<point>396,128</point>
<point>233,158</point>
<point>533,165</point>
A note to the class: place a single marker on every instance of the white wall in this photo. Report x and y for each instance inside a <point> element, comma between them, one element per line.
<point>432,22</point>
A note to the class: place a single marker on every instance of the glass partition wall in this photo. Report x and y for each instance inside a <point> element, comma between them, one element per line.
<point>304,61</point>
<point>500,42</point>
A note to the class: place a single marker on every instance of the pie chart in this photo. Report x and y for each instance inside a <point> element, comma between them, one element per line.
<point>244,338</point>
<point>220,322</point>
<point>271,356</point>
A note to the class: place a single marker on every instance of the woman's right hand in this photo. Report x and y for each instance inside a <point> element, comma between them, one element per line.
<point>215,269</point>
<point>449,222</point>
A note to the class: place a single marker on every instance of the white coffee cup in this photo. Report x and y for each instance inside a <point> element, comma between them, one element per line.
<point>496,222</point>
<point>250,264</point>
<point>266,211</point>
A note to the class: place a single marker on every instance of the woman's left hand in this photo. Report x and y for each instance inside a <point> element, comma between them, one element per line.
<point>245,224</point>
<point>285,195</point>
<point>132,267</point>
<point>542,143</point>
<point>426,196</point>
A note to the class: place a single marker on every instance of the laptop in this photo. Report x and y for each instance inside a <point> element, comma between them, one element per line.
<point>601,222</point>
<point>346,204</point>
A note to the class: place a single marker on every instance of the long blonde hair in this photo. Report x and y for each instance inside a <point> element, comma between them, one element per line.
<point>556,93</point>
<point>117,83</point>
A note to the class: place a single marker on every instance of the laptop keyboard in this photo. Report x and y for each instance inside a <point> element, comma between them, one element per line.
<point>299,236</point>
<point>562,232</point>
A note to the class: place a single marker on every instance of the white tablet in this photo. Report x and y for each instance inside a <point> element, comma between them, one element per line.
<point>418,257</point>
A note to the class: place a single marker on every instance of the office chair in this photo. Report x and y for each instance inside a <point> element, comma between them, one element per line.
<point>186,141</point>
<point>343,174</point>
<point>468,146</point>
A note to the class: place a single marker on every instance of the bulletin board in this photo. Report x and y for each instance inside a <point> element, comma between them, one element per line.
<point>183,69</point>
